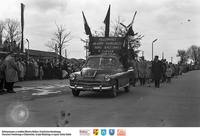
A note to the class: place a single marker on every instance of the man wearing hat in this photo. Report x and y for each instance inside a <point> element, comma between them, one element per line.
<point>11,72</point>
<point>157,71</point>
<point>142,68</point>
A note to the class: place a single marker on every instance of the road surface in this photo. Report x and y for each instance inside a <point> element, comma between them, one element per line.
<point>176,104</point>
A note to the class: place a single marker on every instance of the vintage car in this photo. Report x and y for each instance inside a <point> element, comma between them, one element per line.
<point>101,73</point>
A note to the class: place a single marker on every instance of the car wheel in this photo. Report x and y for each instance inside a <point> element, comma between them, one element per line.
<point>127,88</point>
<point>114,91</point>
<point>75,92</point>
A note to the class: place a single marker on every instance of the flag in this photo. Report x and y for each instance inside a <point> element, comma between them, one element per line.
<point>130,32</point>
<point>107,23</point>
<point>22,26</point>
<point>86,26</point>
<point>132,20</point>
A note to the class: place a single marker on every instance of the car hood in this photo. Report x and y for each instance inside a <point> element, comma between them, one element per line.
<point>91,72</point>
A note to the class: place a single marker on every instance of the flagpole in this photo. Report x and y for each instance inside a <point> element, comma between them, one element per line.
<point>152,47</point>
<point>132,20</point>
<point>28,49</point>
<point>22,27</point>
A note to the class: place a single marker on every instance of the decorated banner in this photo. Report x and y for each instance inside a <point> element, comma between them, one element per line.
<point>105,45</point>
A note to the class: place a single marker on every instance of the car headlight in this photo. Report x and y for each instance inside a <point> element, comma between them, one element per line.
<point>107,77</point>
<point>72,76</point>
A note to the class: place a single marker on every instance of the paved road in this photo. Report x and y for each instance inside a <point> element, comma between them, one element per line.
<point>174,104</point>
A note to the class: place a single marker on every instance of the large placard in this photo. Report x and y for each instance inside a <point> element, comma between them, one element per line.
<point>105,45</point>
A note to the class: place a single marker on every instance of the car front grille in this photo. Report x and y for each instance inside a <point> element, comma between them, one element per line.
<point>89,83</point>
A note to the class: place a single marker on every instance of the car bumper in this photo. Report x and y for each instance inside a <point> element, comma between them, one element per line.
<point>96,88</point>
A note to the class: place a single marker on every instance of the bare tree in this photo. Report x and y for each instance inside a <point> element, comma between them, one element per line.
<point>198,51</point>
<point>183,56</point>
<point>118,30</point>
<point>2,26</point>
<point>12,29</point>
<point>51,45</point>
<point>193,53</point>
<point>61,38</point>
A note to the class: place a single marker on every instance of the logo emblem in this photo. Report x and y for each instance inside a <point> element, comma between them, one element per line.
<point>95,132</point>
<point>84,132</point>
<point>103,132</point>
<point>111,132</point>
<point>121,132</point>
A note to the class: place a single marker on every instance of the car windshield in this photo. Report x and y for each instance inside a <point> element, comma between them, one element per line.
<point>101,62</point>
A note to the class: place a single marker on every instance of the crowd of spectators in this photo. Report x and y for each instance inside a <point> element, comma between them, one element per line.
<point>35,69</point>
<point>157,71</point>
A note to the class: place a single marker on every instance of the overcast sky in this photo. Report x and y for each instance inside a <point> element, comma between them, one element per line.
<point>176,23</point>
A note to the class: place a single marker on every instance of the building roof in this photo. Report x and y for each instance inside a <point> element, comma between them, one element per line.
<point>39,53</point>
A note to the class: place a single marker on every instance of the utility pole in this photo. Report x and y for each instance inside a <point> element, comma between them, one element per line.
<point>22,27</point>
<point>152,47</point>
<point>28,49</point>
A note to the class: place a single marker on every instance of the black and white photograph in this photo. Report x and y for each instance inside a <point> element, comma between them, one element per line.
<point>100,63</point>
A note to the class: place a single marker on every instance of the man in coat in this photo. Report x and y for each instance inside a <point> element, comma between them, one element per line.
<point>142,68</point>
<point>2,75</point>
<point>11,73</point>
<point>134,64</point>
<point>157,71</point>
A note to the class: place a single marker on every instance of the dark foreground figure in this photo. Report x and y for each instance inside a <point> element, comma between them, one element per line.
<point>157,71</point>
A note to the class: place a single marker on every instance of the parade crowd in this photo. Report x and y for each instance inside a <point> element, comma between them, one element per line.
<point>156,71</point>
<point>13,69</point>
